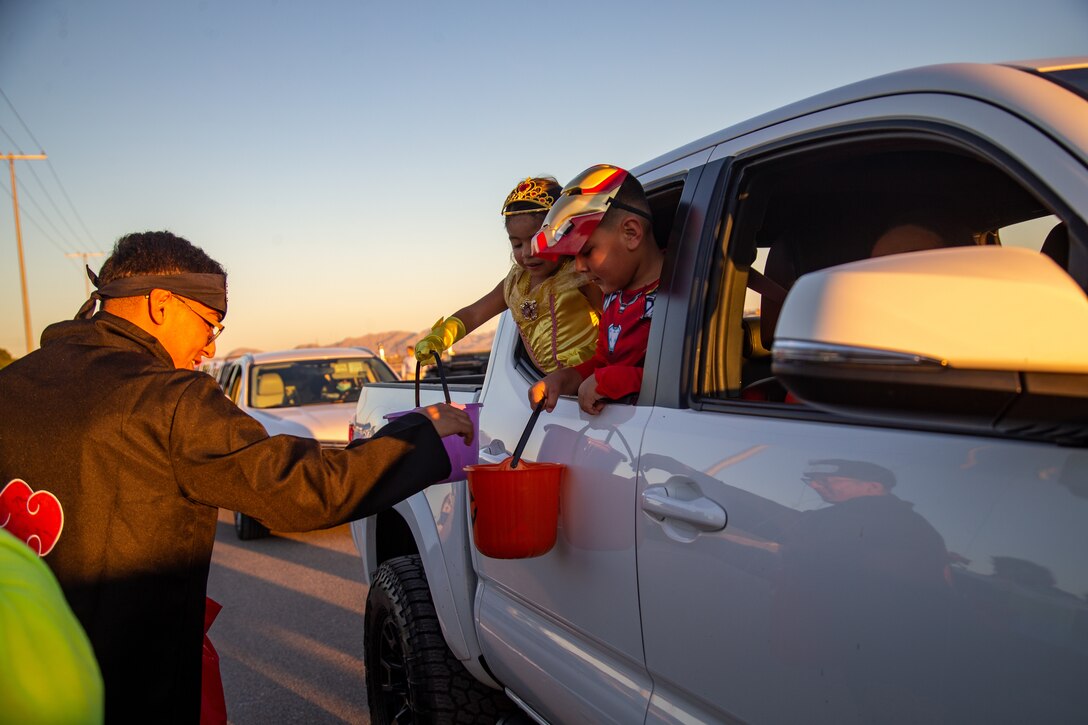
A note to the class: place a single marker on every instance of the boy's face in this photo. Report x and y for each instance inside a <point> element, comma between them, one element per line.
<point>608,256</point>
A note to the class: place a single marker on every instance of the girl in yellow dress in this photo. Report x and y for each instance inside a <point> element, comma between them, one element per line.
<point>556,308</point>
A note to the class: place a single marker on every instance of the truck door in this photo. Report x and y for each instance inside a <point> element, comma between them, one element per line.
<point>562,630</point>
<point>796,566</point>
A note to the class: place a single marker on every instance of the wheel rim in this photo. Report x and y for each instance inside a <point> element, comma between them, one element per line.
<point>393,675</point>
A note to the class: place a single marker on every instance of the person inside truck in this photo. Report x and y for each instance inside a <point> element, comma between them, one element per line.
<point>556,308</point>
<point>603,219</point>
<point>918,232</point>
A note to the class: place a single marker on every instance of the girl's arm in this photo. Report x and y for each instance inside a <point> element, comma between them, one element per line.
<point>451,329</point>
<point>482,310</point>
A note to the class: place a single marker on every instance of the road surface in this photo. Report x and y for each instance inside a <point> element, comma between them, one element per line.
<point>290,636</point>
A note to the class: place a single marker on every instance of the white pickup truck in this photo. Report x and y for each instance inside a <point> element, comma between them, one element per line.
<point>854,486</point>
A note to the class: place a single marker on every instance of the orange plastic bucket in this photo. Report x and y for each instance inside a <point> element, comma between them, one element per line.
<point>515,511</point>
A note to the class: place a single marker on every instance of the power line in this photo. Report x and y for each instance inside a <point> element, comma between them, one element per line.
<point>26,192</point>
<point>90,237</point>
<point>11,158</point>
<point>63,218</point>
<point>30,218</point>
<point>16,112</point>
<point>10,139</point>
<point>49,163</point>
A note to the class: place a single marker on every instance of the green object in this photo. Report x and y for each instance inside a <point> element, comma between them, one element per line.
<point>444,333</point>
<point>48,673</point>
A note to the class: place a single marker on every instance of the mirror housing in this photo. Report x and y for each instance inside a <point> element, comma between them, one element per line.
<point>985,339</point>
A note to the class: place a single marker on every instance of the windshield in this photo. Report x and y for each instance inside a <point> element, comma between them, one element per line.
<point>313,382</point>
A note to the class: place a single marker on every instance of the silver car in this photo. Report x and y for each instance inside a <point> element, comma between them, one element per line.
<point>308,392</point>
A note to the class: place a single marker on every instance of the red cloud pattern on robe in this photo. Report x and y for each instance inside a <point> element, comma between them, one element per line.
<point>36,517</point>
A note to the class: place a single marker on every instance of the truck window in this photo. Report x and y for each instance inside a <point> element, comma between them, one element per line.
<point>664,197</point>
<point>804,211</point>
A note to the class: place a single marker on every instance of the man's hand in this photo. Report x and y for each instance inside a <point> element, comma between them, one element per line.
<point>562,382</point>
<point>448,420</point>
<point>589,399</point>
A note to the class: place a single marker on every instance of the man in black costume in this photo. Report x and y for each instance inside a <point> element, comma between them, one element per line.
<point>141,450</point>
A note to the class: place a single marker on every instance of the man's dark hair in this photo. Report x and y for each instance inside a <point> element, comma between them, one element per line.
<point>155,253</point>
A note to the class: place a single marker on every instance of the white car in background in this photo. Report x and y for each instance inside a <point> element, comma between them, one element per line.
<point>309,392</point>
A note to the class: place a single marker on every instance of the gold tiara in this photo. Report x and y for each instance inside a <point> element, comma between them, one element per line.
<point>533,191</point>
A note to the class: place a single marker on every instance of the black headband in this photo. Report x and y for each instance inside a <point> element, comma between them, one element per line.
<point>209,289</point>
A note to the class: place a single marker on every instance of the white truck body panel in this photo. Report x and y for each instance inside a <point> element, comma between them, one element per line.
<point>729,558</point>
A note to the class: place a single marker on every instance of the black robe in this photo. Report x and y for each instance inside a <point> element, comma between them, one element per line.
<point>141,455</point>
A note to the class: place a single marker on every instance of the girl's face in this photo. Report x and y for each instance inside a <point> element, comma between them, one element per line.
<point>520,228</point>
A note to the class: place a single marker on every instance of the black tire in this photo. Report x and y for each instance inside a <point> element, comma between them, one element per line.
<point>411,674</point>
<point>247,528</point>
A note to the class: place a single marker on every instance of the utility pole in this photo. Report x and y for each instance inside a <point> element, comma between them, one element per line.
<point>19,241</point>
<point>83,270</point>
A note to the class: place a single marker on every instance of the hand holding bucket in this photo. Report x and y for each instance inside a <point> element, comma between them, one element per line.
<point>461,451</point>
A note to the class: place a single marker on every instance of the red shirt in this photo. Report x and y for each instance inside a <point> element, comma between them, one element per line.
<point>621,342</point>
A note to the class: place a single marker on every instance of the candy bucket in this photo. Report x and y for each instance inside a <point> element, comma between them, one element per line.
<point>514,510</point>
<point>461,454</point>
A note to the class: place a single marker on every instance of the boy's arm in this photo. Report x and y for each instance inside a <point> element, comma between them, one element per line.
<point>564,381</point>
<point>617,381</point>
<point>613,382</point>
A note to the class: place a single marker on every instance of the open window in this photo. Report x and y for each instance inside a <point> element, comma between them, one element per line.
<point>796,212</point>
<point>664,198</point>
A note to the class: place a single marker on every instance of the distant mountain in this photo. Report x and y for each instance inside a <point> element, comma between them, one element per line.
<point>395,343</point>
<point>239,352</point>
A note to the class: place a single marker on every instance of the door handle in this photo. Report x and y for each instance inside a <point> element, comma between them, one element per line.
<point>494,452</point>
<point>697,511</point>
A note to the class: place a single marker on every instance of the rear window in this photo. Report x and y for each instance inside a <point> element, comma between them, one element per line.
<point>313,382</point>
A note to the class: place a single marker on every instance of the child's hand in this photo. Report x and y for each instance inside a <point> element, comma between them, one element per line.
<point>562,382</point>
<point>541,390</point>
<point>426,348</point>
<point>588,398</point>
<point>444,333</point>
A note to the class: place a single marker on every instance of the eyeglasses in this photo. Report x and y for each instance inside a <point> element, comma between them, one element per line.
<point>215,328</point>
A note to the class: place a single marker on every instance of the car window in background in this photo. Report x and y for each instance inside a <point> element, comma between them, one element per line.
<point>233,382</point>
<point>313,382</point>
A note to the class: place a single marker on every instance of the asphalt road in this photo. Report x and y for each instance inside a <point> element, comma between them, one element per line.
<point>290,636</point>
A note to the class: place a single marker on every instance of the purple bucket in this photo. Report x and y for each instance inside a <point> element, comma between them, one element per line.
<point>460,454</point>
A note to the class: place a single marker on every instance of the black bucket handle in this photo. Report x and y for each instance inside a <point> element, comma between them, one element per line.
<point>441,376</point>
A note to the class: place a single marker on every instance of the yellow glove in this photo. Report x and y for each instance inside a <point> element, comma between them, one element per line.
<point>444,333</point>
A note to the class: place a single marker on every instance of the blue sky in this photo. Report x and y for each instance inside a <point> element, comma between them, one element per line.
<point>346,161</point>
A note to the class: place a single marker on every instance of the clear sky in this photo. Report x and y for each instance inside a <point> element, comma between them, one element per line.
<point>346,161</point>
